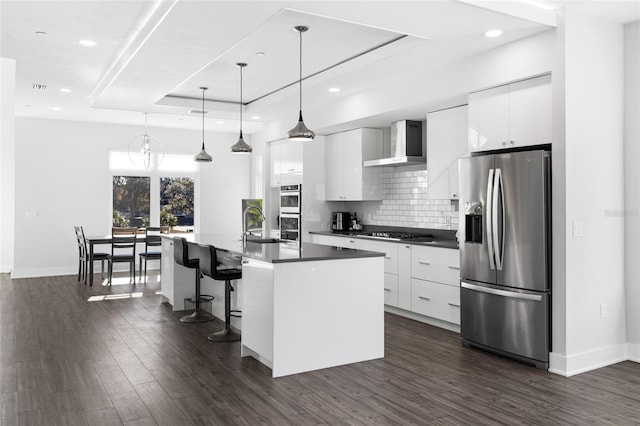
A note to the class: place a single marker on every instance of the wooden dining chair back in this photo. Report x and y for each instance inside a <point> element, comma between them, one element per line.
<point>152,243</point>
<point>83,255</point>
<point>82,252</point>
<point>123,250</point>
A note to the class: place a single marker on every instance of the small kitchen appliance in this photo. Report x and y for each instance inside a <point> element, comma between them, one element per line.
<point>341,221</point>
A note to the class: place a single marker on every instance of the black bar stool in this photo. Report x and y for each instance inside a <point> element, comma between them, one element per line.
<point>226,272</point>
<point>181,256</point>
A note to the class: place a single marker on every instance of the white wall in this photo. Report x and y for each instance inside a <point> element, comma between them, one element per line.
<point>62,174</point>
<point>7,168</point>
<point>632,186</point>
<point>593,285</point>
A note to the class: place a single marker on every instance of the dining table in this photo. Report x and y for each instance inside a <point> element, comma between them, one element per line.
<point>99,240</point>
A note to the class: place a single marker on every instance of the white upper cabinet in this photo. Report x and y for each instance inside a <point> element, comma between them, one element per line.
<point>517,114</point>
<point>447,141</point>
<point>285,162</point>
<point>345,178</point>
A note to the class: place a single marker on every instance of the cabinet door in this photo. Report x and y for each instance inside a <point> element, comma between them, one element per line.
<point>404,276</point>
<point>291,157</point>
<point>447,141</point>
<point>390,251</point>
<point>275,163</point>
<point>391,289</point>
<point>436,300</point>
<point>440,265</point>
<point>334,174</point>
<point>530,112</point>
<point>488,119</point>
<point>352,159</point>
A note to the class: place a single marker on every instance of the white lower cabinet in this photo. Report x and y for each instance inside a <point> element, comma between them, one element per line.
<point>419,279</point>
<point>441,301</point>
<point>391,289</point>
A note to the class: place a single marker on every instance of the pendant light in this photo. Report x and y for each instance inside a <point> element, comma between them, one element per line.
<point>143,147</point>
<point>202,156</point>
<point>301,132</point>
<point>241,147</point>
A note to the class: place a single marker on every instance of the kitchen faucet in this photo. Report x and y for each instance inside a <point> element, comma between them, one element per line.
<point>244,223</point>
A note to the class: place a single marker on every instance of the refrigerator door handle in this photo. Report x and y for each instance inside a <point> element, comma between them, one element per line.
<point>488,220</point>
<point>498,197</point>
<point>504,293</point>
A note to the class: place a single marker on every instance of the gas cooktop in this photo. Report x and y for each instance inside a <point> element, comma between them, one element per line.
<point>401,236</point>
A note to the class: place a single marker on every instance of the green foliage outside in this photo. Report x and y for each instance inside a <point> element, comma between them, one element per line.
<point>130,199</point>
<point>167,219</point>
<point>119,221</point>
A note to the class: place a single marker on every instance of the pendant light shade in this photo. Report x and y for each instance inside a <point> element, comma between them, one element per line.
<point>301,132</point>
<point>241,147</point>
<point>202,156</point>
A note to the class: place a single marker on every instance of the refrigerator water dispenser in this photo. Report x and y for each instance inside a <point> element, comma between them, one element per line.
<point>473,222</point>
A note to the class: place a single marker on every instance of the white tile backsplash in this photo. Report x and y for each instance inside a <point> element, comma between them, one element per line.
<point>406,203</point>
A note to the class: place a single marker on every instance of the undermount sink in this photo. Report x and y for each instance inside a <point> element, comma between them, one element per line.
<point>263,240</point>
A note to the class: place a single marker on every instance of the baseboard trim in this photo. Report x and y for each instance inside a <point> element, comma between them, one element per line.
<point>633,352</point>
<point>421,318</point>
<point>65,270</point>
<point>586,361</point>
<point>43,272</point>
<point>5,269</point>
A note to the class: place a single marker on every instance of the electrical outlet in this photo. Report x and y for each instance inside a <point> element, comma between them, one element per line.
<point>603,310</point>
<point>577,229</point>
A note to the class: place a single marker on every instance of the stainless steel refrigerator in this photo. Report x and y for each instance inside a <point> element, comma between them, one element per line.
<point>505,254</point>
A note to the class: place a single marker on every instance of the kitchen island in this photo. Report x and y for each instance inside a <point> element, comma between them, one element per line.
<point>303,308</point>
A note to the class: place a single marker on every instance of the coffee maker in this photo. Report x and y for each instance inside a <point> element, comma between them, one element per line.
<point>341,221</point>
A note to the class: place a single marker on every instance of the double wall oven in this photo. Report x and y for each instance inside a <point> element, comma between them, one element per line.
<point>291,213</point>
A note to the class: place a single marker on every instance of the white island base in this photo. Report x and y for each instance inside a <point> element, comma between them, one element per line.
<point>304,316</point>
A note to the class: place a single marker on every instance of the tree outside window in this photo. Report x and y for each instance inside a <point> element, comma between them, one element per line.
<point>131,201</point>
<point>176,201</point>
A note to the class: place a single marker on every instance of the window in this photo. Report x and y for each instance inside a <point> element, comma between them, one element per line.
<point>163,195</point>
<point>176,201</point>
<point>131,201</point>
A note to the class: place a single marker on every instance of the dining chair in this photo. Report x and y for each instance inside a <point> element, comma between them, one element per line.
<point>83,255</point>
<point>123,249</point>
<point>151,241</point>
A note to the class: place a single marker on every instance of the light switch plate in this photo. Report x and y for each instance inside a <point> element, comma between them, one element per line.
<point>577,229</point>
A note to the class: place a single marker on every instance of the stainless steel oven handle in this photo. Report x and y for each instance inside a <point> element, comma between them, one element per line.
<point>504,293</point>
<point>488,219</point>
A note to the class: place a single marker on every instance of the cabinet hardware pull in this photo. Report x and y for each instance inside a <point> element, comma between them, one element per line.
<point>455,305</point>
<point>387,257</point>
<point>424,298</point>
<point>454,267</point>
<point>387,289</point>
<point>244,262</point>
<point>424,263</point>
<point>407,246</point>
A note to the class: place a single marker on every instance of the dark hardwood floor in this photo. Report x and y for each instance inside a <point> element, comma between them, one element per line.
<point>74,355</point>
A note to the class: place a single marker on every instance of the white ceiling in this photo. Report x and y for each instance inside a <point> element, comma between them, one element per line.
<point>154,55</point>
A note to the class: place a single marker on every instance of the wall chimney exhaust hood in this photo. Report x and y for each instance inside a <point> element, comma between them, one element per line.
<point>406,146</point>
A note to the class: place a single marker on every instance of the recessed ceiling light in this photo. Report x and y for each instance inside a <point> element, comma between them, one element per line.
<point>493,33</point>
<point>255,117</point>
<point>56,108</point>
<point>334,89</point>
<point>65,90</point>
<point>87,43</point>
<point>28,106</point>
<point>260,53</point>
<point>220,122</point>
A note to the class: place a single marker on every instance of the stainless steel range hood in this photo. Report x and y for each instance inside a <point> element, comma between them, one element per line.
<point>406,146</point>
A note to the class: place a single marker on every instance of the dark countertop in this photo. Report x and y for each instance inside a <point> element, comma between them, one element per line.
<point>441,238</point>
<point>275,252</point>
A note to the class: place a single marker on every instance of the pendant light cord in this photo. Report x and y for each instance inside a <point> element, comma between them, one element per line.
<point>300,33</point>
<point>145,123</point>
<point>240,100</point>
<point>203,118</point>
